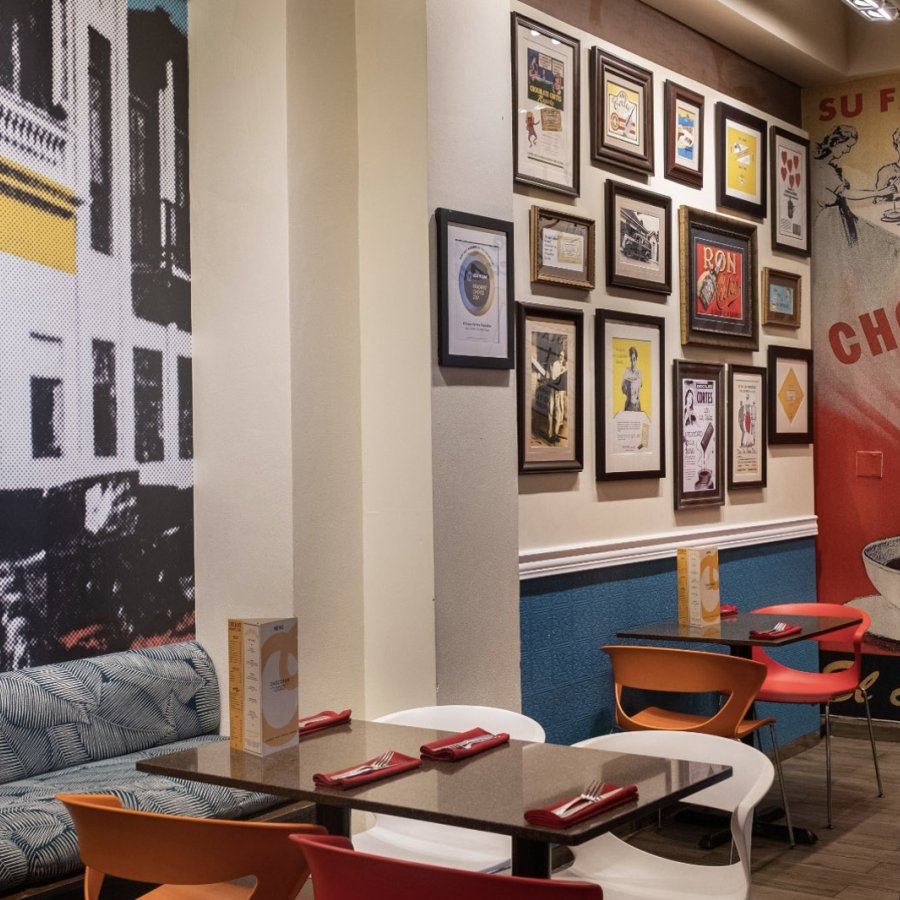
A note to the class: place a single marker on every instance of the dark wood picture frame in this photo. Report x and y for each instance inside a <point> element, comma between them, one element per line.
<point>629,395</point>
<point>781,298</point>
<point>550,388</point>
<point>747,426</point>
<point>741,155</point>
<point>534,87</point>
<point>698,415</point>
<point>684,134</point>
<point>791,213</point>
<point>612,124</point>
<point>718,263</point>
<point>475,287</point>
<point>638,239</point>
<point>791,403</point>
<point>563,250</point>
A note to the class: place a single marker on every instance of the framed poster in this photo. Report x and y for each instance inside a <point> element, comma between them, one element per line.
<point>790,192</point>
<point>545,114</point>
<point>718,280</point>
<point>790,395</point>
<point>562,248</point>
<point>638,239</point>
<point>550,379</point>
<point>746,427</point>
<point>621,112</point>
<point>740,161</point>
<point>684,135</point>
<point>698,417</point>
<point>475,287</point>
<point>630,404</point>
<point>781,298</point>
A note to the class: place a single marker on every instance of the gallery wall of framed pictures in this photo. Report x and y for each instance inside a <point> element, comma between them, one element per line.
<point>651,275</point>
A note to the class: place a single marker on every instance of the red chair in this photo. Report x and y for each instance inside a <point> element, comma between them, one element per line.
<point>783,684</point>
<point>340,873</point>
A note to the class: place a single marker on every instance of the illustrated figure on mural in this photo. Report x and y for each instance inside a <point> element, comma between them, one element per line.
<point>96,473</point>
<point>833,190</point>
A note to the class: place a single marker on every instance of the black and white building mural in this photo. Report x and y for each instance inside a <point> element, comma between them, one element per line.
<point>96,414</point>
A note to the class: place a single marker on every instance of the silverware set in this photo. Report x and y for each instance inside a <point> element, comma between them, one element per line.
<point>382,762</point>
<point>469,742</point>
<point>591,794</point>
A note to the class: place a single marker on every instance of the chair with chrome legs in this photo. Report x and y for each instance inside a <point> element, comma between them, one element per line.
<point>787,685</point>
<point>665,669</point>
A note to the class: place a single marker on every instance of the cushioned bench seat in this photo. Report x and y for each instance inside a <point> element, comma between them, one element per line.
<point>80,727</point>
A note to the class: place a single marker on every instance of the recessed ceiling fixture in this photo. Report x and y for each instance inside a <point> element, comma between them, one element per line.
<point>876,10</point>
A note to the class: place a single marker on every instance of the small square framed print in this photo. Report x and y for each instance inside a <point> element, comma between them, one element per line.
<point>740,161</point>
<point>790,395</point>
<point>747,411</point>
<point>562,249</point>
<point>475,289</point>
<point>638,239</point>
<point>550,386</point>
<point>781,298</point>
<point>621,112</point>
<point>684,135</point>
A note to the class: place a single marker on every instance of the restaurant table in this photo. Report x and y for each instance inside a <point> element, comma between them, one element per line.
<point>487,792</point>
<point>734,631</point>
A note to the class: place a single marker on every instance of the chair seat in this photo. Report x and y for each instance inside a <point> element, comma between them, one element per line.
<point>221,890</point>
<point>783,685</point>
<point>656,719</point>
<point>629,873</point>
<point>436,845</point>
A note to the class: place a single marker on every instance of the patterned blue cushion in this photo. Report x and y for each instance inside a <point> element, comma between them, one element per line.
<point>37,837</point>
<point>67,714</point>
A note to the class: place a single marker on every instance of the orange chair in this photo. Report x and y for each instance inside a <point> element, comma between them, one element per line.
<point>190,857</point>
<point>340,873</point>
<point>786,685</point>
<point>734,679</point>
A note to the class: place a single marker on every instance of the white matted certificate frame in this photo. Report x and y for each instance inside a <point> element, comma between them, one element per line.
<point>630,415</point>
<point>475,284</point>
<point>545,96</point>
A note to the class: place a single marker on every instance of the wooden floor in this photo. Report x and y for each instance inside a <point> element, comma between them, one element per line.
<point>858,859</point>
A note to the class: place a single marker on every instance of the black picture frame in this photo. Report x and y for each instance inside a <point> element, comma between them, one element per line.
<point>698,417</point>
<point>475,290</point>
<point>791,213</point>
<point>614,115</point>
<point>781,298</point>
<point>630,412</point>
<point>638,239</point>
<point>747,426</point>
<point>791,396</point>
<point>719,275</point>
<point>550,388</point>
<point>741,155</point>
<point>552,55</point>
<point>684,134</point>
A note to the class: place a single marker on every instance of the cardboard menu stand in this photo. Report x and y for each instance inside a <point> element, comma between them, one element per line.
<point>262,684</point>
<point>698,586</point>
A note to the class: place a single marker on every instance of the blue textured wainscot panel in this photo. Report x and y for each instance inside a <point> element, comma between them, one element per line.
<point>566,679</point>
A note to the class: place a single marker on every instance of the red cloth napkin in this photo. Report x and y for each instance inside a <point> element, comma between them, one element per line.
<point>444,750</point>
<point>324,719</point>
<point>399,763</point>
<point>611,796</point>
<point>772,634</point>
<point>728,609</point>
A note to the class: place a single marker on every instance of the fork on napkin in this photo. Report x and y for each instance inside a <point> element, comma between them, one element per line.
<point>781,629</point>
<point>324,719</point>
<point>466,743</point>
<point>563,813</point>
<point>384,766</point>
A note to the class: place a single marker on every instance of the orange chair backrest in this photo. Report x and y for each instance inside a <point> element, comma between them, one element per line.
<point>340,873</point>
<point>164,849</point>
<point>688,672</point>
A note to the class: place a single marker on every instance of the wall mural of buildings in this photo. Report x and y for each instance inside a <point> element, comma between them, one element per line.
<point>855,144</point>
<point>96,474</point>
